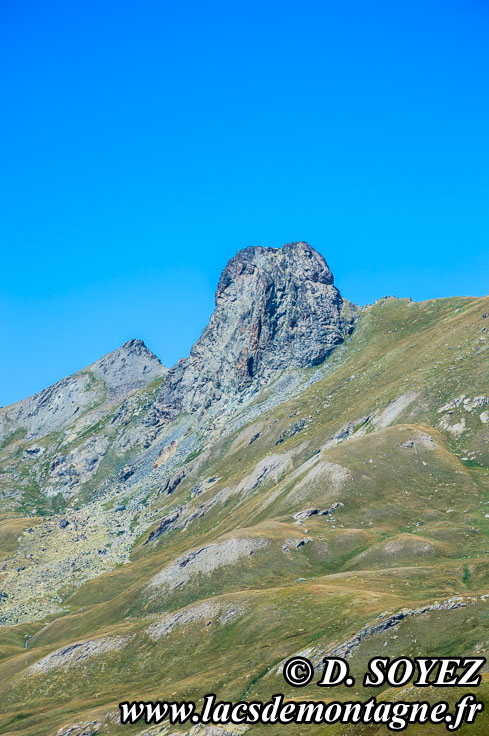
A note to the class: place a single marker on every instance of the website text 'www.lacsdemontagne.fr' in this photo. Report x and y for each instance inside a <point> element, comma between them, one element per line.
<point>298,671</point>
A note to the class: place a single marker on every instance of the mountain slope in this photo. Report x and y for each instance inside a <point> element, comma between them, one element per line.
<point>287,518</point>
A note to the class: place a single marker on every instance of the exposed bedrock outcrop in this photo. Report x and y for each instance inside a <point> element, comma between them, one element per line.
<point>108,380</point>
<point>275,309</point>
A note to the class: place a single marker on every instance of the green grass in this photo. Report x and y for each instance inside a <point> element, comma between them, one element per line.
<point>14,436</point>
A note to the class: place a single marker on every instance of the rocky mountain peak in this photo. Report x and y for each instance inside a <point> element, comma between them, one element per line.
<point>135,345</point>
<point>129,367</point>
<point>275,308</point>
<point>299,260</point>
<point>115,375</point>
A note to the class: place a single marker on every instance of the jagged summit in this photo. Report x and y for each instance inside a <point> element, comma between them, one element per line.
<point>297,258</point>
<point>275,308</point>
<point>130,366</point>
<point>115,375</point>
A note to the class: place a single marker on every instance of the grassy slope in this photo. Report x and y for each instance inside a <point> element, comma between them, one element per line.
<point>412,530</point>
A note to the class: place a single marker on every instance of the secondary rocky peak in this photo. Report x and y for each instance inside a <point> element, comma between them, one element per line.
<point>129,367</point>
<point>114,376</point>
<point>275,308</point>
<point>135,345</point>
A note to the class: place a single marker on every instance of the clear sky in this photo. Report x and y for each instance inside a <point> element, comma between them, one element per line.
<point>143,142</point>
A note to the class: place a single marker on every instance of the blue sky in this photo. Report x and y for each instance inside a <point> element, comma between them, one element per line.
<point>143,143</point>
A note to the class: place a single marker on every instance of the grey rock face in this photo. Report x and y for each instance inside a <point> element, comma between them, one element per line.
<point>130,367</point>
<point>275,308</point>
<point>66,472</point>
<point>115,375</point>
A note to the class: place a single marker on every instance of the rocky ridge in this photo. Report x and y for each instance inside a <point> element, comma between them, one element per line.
<point>115,376</point>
